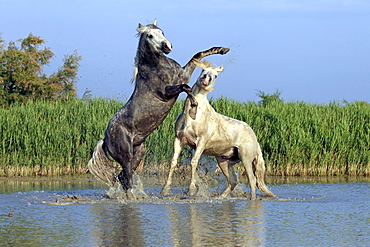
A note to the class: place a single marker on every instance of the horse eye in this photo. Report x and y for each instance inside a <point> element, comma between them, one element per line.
<point>150,36</point>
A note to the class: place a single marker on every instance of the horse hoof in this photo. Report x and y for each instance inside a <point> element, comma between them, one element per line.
<point>165,192</point>
<point>130,195</point>
<point>141,196</point>
<point>224,50</point>
<point>224,195</point>
<point>193,113</point>
<point>192,192</point>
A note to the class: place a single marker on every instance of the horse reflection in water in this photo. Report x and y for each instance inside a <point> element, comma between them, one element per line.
<point>226,224</point>
<point>158,82</point>
<point>211,133</point>
<point>117,225</point>
<point>230,223</point>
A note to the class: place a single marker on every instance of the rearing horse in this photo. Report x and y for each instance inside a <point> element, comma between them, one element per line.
<point>159,81</point>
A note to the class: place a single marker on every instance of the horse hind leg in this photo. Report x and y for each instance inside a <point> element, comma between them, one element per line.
<point>121,150</point>
<point>125,176</point>
<point>247,160</point>
<point>228,170</point>
<point>138,187</point>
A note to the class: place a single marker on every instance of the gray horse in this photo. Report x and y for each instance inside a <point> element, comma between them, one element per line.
<point>158,82</point>
<point>211,133</point>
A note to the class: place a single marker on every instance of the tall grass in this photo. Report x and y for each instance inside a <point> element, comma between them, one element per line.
<point>297,138</point>
<point>302,139</point>
<point>47,138</point>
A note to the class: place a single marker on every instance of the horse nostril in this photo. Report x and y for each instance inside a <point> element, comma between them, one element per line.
<point>166,47</point>
<point>169,45</point>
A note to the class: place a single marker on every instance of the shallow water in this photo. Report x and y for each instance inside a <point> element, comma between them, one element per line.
<point>315,212</point>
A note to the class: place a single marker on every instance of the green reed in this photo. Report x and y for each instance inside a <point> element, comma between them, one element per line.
<point>297,138</point>
<point>305,139</point>
<point>45,134</point>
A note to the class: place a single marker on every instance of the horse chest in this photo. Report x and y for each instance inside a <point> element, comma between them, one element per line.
<point>187,137</point>
<point>166,77</point>
<point>165,72</point>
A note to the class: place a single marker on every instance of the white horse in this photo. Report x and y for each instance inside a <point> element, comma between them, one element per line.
<point>211,133</point>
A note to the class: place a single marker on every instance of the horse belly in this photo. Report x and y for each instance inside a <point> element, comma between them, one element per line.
<point>149,112</point>
<point>218,148</point>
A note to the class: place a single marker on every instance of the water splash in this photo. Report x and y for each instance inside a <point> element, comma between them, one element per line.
<point>137,192</point>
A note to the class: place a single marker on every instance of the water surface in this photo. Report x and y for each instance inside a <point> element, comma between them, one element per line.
<point>315,212</point>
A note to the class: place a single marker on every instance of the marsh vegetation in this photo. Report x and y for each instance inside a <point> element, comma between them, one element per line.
<point>56,138</point>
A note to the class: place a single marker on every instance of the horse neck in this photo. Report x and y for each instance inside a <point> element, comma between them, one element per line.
<point>200,96</point>
<point>199,92</point>
<point>145,55</point>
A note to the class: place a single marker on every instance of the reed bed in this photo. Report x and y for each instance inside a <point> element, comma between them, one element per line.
<point>51,139</point>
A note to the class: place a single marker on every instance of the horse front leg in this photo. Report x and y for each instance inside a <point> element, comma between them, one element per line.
<point>172,91</point>
<point>177,150</point>
<point>192,64</point>
<point>194,163</point>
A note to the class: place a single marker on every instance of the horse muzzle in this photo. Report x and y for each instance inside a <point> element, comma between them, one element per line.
<point>205,80</point>
<point>166,47</point>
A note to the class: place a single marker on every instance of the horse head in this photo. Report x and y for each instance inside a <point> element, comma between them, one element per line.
<point>155,38</point>
<point>208,76</point>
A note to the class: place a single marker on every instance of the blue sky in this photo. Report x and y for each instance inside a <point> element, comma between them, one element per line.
<point>316,51</point>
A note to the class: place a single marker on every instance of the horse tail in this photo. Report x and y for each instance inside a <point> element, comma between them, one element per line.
<point>103,168</point>
<point>259,172</point>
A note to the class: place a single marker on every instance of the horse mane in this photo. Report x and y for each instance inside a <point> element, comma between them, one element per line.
<point>207,65</point>
<point>145,29</point>
<point>135,72</point>
<point>204,64</point>
<point>140,31</point>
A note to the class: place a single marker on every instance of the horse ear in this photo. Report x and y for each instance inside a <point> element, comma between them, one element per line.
<point>141,28</point>
<point>219,69</point>
<point>155,22</point>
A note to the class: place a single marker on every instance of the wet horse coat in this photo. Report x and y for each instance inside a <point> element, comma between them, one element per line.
<point>211,133</point>
<point>159,81</point>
